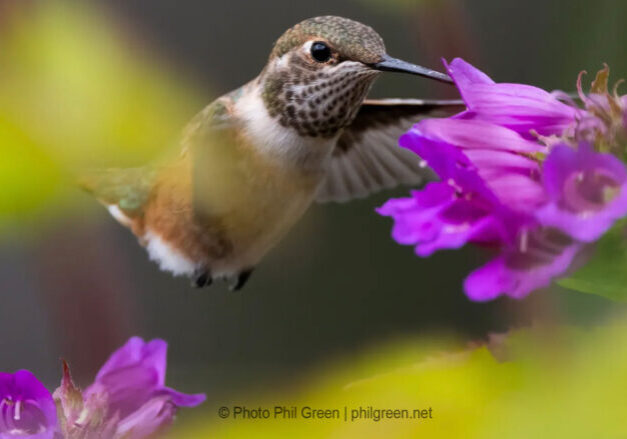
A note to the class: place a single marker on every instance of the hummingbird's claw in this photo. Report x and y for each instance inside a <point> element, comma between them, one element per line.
<point>240,280</point>
<point>202,278</point>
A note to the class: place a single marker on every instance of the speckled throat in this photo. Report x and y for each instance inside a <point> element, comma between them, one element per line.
<point>315,102</point>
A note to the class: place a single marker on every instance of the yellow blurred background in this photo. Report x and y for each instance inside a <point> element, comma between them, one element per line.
<point>543,382</point>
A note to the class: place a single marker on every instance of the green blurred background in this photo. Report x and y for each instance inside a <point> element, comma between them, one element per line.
<point>88,84</point>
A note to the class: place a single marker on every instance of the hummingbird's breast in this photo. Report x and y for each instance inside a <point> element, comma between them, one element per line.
<point>275,178</point>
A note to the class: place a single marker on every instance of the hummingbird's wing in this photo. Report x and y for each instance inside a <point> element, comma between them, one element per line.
<point>127,190</point>
<point>367,157</point>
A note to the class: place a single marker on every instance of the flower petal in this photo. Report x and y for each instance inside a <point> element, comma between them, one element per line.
<point>518,271</point>
<point>520,107</point>
<point>465,75</point>
<point>26,407</point>
<point>149,419</point>
<point>152,355</point>
<point>475,134</point>
<point>129,392</point>
<point>183,399</point>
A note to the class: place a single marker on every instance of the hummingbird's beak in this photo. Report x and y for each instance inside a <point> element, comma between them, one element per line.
<point>389,64</point>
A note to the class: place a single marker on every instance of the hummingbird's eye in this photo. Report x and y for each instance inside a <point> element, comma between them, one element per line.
<point>320,52</point>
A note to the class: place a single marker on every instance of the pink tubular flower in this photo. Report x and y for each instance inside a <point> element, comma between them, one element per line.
<point>517,173</point>
<point>134,375</point>
<point>128,398</point>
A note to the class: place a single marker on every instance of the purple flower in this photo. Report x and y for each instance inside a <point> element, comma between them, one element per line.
<point>438,217</point>
<point>488,184</point>
<point>517,174</point>
<point>519,107</point>
<point>27,409</point>
<point>128,398</point>
<point>499,156</point>
<point>135,374</point>
<point>587,191</point>
<point>463,207</point>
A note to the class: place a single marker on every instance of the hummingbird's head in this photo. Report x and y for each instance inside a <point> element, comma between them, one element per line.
<point>320,71</point>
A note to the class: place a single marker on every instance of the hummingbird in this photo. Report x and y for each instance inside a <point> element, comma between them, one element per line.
<point>254,160</point>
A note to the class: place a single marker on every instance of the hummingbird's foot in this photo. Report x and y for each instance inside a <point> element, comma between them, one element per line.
<point>240,280</point>
<point>201,278</point>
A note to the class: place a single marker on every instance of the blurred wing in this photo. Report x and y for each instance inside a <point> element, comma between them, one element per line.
<point>367,157</point>
<point>215,120</point>
<point>128,190</point>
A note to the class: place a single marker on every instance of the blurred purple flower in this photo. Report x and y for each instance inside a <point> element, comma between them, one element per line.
<point>498,189</point>
<point>128,398</point>
<point>27,409</point>
<point>134,375</point>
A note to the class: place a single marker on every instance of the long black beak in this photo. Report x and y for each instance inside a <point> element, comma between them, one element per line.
<point>389,64</point>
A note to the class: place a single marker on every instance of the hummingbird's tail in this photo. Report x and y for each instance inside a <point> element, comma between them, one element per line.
<point>128,189</point>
